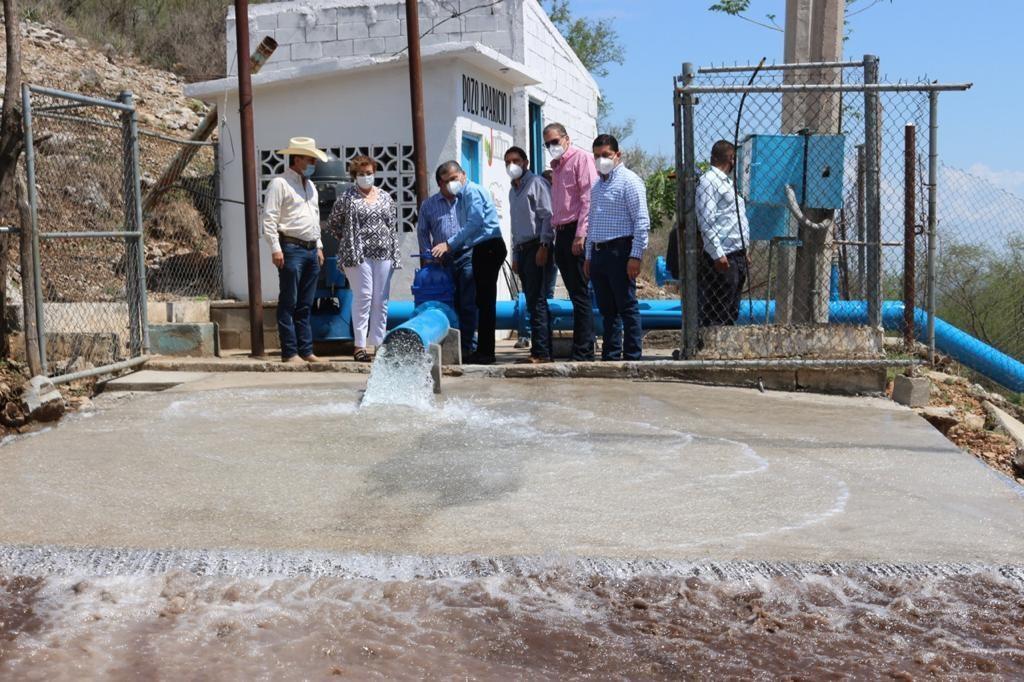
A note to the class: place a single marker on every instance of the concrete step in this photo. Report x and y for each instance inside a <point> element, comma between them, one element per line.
<point>151,380</point>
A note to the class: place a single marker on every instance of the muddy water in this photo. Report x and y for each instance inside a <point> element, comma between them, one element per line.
<point>541,626</point>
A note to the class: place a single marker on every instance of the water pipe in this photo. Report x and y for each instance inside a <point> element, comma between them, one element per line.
<point>667,314</point>
<point>427,325</point>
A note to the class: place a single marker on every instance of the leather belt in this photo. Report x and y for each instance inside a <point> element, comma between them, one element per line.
<point>310,245</point>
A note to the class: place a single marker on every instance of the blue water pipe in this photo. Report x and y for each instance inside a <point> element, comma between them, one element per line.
<point>658,314</point>
<point>428,323</point>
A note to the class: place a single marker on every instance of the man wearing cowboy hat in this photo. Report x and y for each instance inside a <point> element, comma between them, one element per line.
<point>291,225</point>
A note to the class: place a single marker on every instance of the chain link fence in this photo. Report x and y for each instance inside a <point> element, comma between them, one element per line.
<point>81,163</point>
<point>93,178</point>
<point>181,213</point>
<point>980,261</point>
<point>807,194</point>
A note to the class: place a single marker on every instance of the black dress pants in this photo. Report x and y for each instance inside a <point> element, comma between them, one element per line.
<point>488,257</point>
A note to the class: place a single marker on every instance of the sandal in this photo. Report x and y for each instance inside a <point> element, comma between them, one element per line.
<point>360,355</point>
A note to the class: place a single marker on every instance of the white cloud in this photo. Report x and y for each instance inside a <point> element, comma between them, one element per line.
<point>1010,180</point>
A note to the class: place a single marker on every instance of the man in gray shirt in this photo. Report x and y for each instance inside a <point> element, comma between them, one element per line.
<point>532,235</point>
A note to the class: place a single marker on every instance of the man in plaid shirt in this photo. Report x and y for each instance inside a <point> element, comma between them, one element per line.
<point>616,240</point>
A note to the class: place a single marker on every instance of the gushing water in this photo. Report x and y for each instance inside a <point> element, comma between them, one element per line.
<point>400,376</point>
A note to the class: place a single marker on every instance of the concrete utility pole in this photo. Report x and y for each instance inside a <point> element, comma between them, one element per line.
<point>814,33</point>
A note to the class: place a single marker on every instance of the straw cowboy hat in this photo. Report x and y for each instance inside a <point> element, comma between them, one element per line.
<point>303,146</point>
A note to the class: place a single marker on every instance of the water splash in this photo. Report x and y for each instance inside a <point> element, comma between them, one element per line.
<point>400,376</point>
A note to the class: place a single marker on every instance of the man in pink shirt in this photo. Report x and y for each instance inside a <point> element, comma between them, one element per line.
<point>572,174</point>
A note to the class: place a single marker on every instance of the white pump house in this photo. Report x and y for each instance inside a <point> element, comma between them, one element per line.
<point>493,77</point>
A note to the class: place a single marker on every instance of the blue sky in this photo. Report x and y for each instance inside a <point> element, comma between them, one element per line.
<point>946,40</point>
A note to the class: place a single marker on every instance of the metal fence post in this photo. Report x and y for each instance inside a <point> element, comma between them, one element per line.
<point>688,238</point>
<point>872,152</point>
<point>933,181</point>
<point>33,201</point>
<point>861,231</point>
<point>909,232</point>
<point>136,313</point>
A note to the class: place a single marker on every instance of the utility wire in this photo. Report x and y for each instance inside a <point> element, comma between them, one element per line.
<point>455,15</point>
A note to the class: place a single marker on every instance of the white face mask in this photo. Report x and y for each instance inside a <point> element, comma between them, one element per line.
<point>515,171</point>
<point>556,151</point>
<point>454,187</point>
<point>605,165</point>
<point>364,181</point>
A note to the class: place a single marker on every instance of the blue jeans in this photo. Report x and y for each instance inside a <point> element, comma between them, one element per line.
<point>616,300</point>
<point>549,292</point>
<point>298,287</point>
<point>461,267</point>
<point>535,286</point>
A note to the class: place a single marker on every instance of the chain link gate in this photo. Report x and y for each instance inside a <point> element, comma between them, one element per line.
<point>82,163</point>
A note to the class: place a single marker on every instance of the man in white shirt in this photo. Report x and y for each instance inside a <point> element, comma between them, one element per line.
<point>721,215</point>
<point>291,226</point>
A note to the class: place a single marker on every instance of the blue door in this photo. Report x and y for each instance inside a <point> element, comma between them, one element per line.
<point>471,157</point>
<point>536,138</point>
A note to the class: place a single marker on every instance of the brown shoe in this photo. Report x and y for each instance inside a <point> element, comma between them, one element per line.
<point>533,360</point>
<point>293,360</point>
<point>313,359</point>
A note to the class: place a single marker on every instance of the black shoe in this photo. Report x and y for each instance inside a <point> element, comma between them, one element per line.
<point>476,358</point>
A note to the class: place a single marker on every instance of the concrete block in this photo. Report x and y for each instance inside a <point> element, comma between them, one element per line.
<point>321,33</point>
<point>289,36</point>
<point>394,44</point>
<point>498,40</point>
<point>387,12</point>
<point>339,48</point>
<point>911,391</point>
<point>451,348</point>
<point>370,46</point>
<point>388,27</point>
<point>326,15</point>
<point>188,311</point>
<point>266,22</point>
<point>306,51</point>
<point>481,23</point>
<point>435,365</point>
<point>1006,422</point>
<point>291,20</point>
<point>156,312</point>
<point>353,30</point>
<point>188,339</point>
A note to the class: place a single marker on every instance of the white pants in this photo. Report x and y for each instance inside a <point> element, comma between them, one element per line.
<point>371,287</point>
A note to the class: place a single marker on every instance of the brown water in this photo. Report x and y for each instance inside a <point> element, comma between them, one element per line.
<point>544,625</point>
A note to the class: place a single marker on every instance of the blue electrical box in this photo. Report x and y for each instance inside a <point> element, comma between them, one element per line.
<point>766,164</point>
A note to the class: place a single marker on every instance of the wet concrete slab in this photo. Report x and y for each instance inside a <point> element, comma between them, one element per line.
<point>538,467</point>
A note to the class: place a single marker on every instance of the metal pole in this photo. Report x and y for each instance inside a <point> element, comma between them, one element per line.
<point>689,262</point>
<point>33,202</point>
<point>252,238</point>
<point>677,131</point>
<point>909,232</point>
<point>872,194</point>
<point>799,66</point>
<point>826,87</point>
<point>135,324</point>
<point>138,244</point>
<point>861,222</point>
<point>419,135</point>
<point>933,182</point>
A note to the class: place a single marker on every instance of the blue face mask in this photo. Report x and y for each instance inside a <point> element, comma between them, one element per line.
<point>310,169</point>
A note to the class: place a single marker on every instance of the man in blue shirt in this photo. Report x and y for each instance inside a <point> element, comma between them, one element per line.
<point>438,222</point>
<point>480,231</point>
<point>616,240</point>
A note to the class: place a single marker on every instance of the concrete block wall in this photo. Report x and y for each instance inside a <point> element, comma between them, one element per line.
<point>310,30</point>
<point>568,94</point>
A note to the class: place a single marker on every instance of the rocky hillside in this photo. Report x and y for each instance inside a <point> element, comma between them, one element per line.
<point>54,60</point>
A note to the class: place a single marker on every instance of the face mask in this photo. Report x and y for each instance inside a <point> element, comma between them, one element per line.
<point>605,165</point>
<point>515,171</point>
<point>555,149</point>
<point>454,187</point>
<point>364,181</point>
<point>310,169</point>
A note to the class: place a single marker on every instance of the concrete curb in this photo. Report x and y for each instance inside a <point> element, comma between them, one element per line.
<point>98,561</point>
